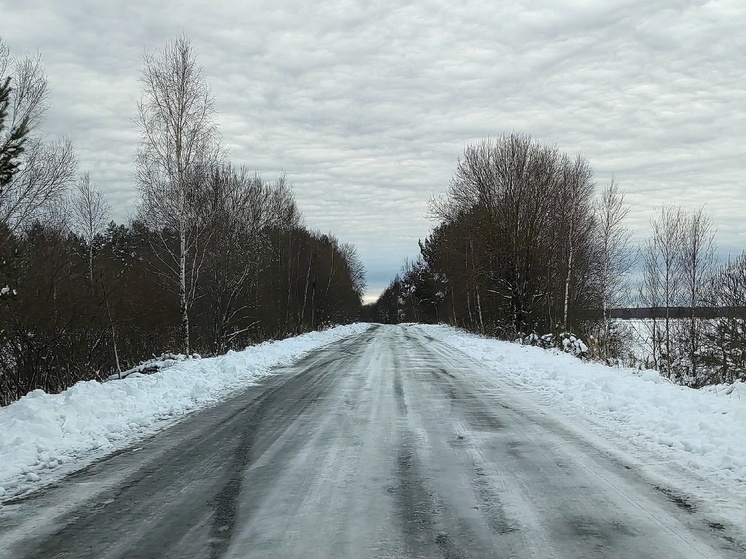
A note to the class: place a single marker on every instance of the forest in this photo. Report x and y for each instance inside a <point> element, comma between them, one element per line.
<point>527,248</point>
<point>216,257</point>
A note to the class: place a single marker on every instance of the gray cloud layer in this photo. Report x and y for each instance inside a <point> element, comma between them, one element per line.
<point>367,105</point>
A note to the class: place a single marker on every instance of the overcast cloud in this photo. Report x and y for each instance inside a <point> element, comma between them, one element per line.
<point>366,106</point>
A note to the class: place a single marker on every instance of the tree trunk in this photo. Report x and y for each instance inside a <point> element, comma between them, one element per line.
<point>183,306</point>
<point>567,288</point>
<point>90,261</point>
<point>305,292</point>
<point>479,311</point>
<point>113,330</point>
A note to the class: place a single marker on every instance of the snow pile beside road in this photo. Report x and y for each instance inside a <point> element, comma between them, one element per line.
<point>42,436</point>
<point>703,431</point>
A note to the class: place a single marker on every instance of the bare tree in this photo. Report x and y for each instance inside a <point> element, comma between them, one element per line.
<point>518,225</point>
<point>679,262</point>
<point>662,281</point>
<point>727,338</point>
<point>503,191</point>
<point>697,267</point>
<point>356,268</point>
<point>614,252</point>
<point>89,213</point>
<point>577,191</point>
<point>244,208</point>
<point>179,142</point>
<point>37,173</point>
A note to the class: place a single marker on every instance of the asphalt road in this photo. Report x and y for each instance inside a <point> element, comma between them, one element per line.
<point>387,444</point>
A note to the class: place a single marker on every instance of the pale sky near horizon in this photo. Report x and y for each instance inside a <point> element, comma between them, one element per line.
<point>366,106</point>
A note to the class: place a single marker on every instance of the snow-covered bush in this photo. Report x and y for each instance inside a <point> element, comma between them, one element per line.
<point>570,343</point>
<point>616,343</point>
<point>566,341</point>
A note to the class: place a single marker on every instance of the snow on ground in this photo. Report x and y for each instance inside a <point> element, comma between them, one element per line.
<point>45,436</point>
<point>673,433</point>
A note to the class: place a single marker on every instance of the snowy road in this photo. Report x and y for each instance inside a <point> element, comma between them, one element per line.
<point>387,444</point>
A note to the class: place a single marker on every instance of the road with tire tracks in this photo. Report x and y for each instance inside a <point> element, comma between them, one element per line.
<point>385,444</point>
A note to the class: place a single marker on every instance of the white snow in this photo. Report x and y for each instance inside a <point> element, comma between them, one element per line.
<point>44,436</point>
<point>695,439</point>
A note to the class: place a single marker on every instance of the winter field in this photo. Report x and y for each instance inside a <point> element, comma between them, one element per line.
<point>637,336</point>
<point>692,440</point>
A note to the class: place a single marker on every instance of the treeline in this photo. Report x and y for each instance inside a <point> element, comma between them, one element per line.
<point>217,258</point>
<point>514,248</point>
<point>526,248</point>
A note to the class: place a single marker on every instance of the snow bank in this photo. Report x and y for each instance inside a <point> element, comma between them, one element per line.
<point>701,431</point>
<point>43,436</point>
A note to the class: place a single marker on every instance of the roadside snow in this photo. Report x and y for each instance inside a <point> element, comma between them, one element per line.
<point>672,432</point>
<point>44,436</point>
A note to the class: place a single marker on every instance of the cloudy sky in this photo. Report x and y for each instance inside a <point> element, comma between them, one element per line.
<point>366,106</point>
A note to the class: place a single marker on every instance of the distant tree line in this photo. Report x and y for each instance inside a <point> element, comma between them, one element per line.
<point>526,248</point>
<point>217,257</point>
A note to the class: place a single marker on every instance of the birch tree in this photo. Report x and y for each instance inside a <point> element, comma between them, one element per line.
<point>613,252</point>
<point>179,143</point>
<point>662,281</point>
<point>577,191</point>
<point>697,266</point>
<point>89,212</point>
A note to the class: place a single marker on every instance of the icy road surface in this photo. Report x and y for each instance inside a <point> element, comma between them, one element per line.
<point>386,444</point>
